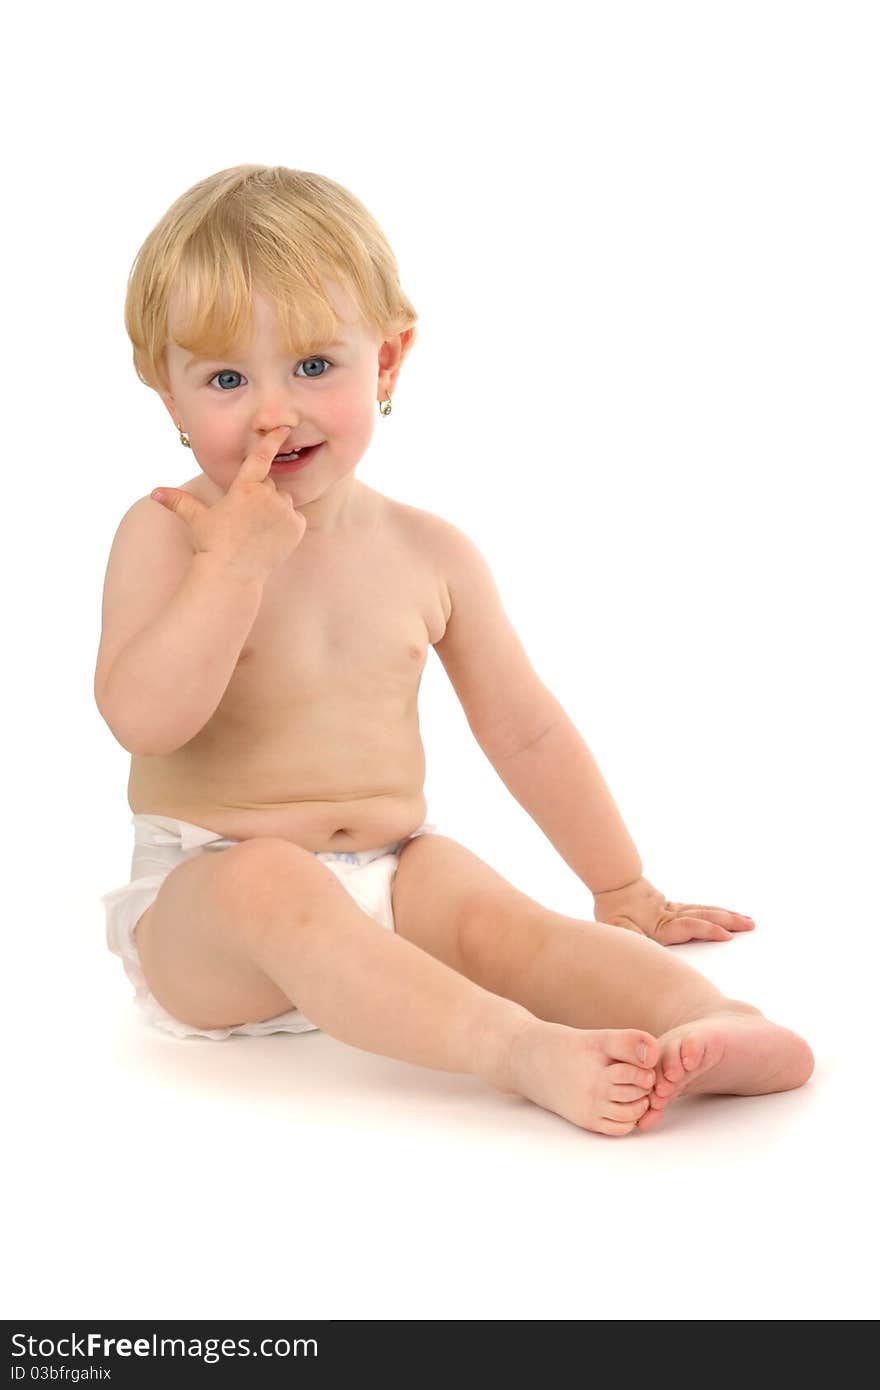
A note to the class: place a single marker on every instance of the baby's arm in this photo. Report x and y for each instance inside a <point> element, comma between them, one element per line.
<point>523,729</point>
<point>168,652</point>
<point>174,624</point>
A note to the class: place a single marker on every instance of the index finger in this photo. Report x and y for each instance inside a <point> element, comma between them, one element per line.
<point>257,463</point>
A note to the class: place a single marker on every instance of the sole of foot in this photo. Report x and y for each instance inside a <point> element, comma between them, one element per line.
<point>734,1052</point>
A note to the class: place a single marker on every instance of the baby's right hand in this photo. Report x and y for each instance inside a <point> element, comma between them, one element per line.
<point>253,527</point>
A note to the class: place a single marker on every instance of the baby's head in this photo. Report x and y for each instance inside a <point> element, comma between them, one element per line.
<point>269,296</point>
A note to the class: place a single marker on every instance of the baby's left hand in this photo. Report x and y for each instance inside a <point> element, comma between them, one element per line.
<point>640,907</point>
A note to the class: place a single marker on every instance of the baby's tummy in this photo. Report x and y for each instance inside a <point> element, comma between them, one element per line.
<point>324,789</point>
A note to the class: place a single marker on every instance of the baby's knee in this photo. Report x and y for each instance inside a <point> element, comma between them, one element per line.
<point>265,875</point>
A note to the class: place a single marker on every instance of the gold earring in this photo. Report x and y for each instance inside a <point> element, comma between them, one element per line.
<point>386,409</point>
<point>183,439</point>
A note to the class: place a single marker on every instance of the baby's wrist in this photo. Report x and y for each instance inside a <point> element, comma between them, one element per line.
<point>229,570</point>
<point>606,892</point>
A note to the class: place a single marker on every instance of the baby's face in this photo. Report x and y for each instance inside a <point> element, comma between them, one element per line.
<point>228,407</point>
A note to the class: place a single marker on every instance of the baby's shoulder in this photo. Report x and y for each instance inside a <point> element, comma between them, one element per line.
<point>429,533</point>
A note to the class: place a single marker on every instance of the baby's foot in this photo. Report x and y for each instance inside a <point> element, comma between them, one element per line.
<point>595,1078</point>
<point>734,1052</point>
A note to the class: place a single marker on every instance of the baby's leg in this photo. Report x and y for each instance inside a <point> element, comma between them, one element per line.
<point>264,924</point>
<point>591,975</point>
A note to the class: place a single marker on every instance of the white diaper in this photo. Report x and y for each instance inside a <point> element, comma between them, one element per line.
<point>161,843</point>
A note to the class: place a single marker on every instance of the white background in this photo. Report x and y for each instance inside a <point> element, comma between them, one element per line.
<point>642,242</point>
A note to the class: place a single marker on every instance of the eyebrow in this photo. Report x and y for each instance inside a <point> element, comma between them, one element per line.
<point>195,360</point>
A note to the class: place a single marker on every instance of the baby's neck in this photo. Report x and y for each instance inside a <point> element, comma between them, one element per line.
<point>343,507</point>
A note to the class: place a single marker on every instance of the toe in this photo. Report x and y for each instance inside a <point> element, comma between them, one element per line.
<point>691,1053</point>
<point>631,1045</point>
<point>626,1113</point>
<point>617,1092</point>
<point>671,1068</point>
<point>625,1075</point>
<point>613,1128</point>
<point>650,1119</point>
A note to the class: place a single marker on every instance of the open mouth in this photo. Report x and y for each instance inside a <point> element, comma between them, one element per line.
<point>296,456</point>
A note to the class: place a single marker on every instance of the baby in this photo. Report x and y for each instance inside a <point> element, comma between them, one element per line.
<point>264,630</point>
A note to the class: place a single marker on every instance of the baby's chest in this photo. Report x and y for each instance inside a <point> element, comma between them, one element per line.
<point>355,636</point>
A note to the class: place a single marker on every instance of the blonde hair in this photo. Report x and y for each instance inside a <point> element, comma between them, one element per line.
<point>258,227</point>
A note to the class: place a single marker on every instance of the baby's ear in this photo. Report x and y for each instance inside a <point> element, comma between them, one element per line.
<point>407,338</point>
<point>393,351</point>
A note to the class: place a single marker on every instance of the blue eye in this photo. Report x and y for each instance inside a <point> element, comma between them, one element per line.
<point>229,371</point>
<point>316,359</point>
<point>223,373</point>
